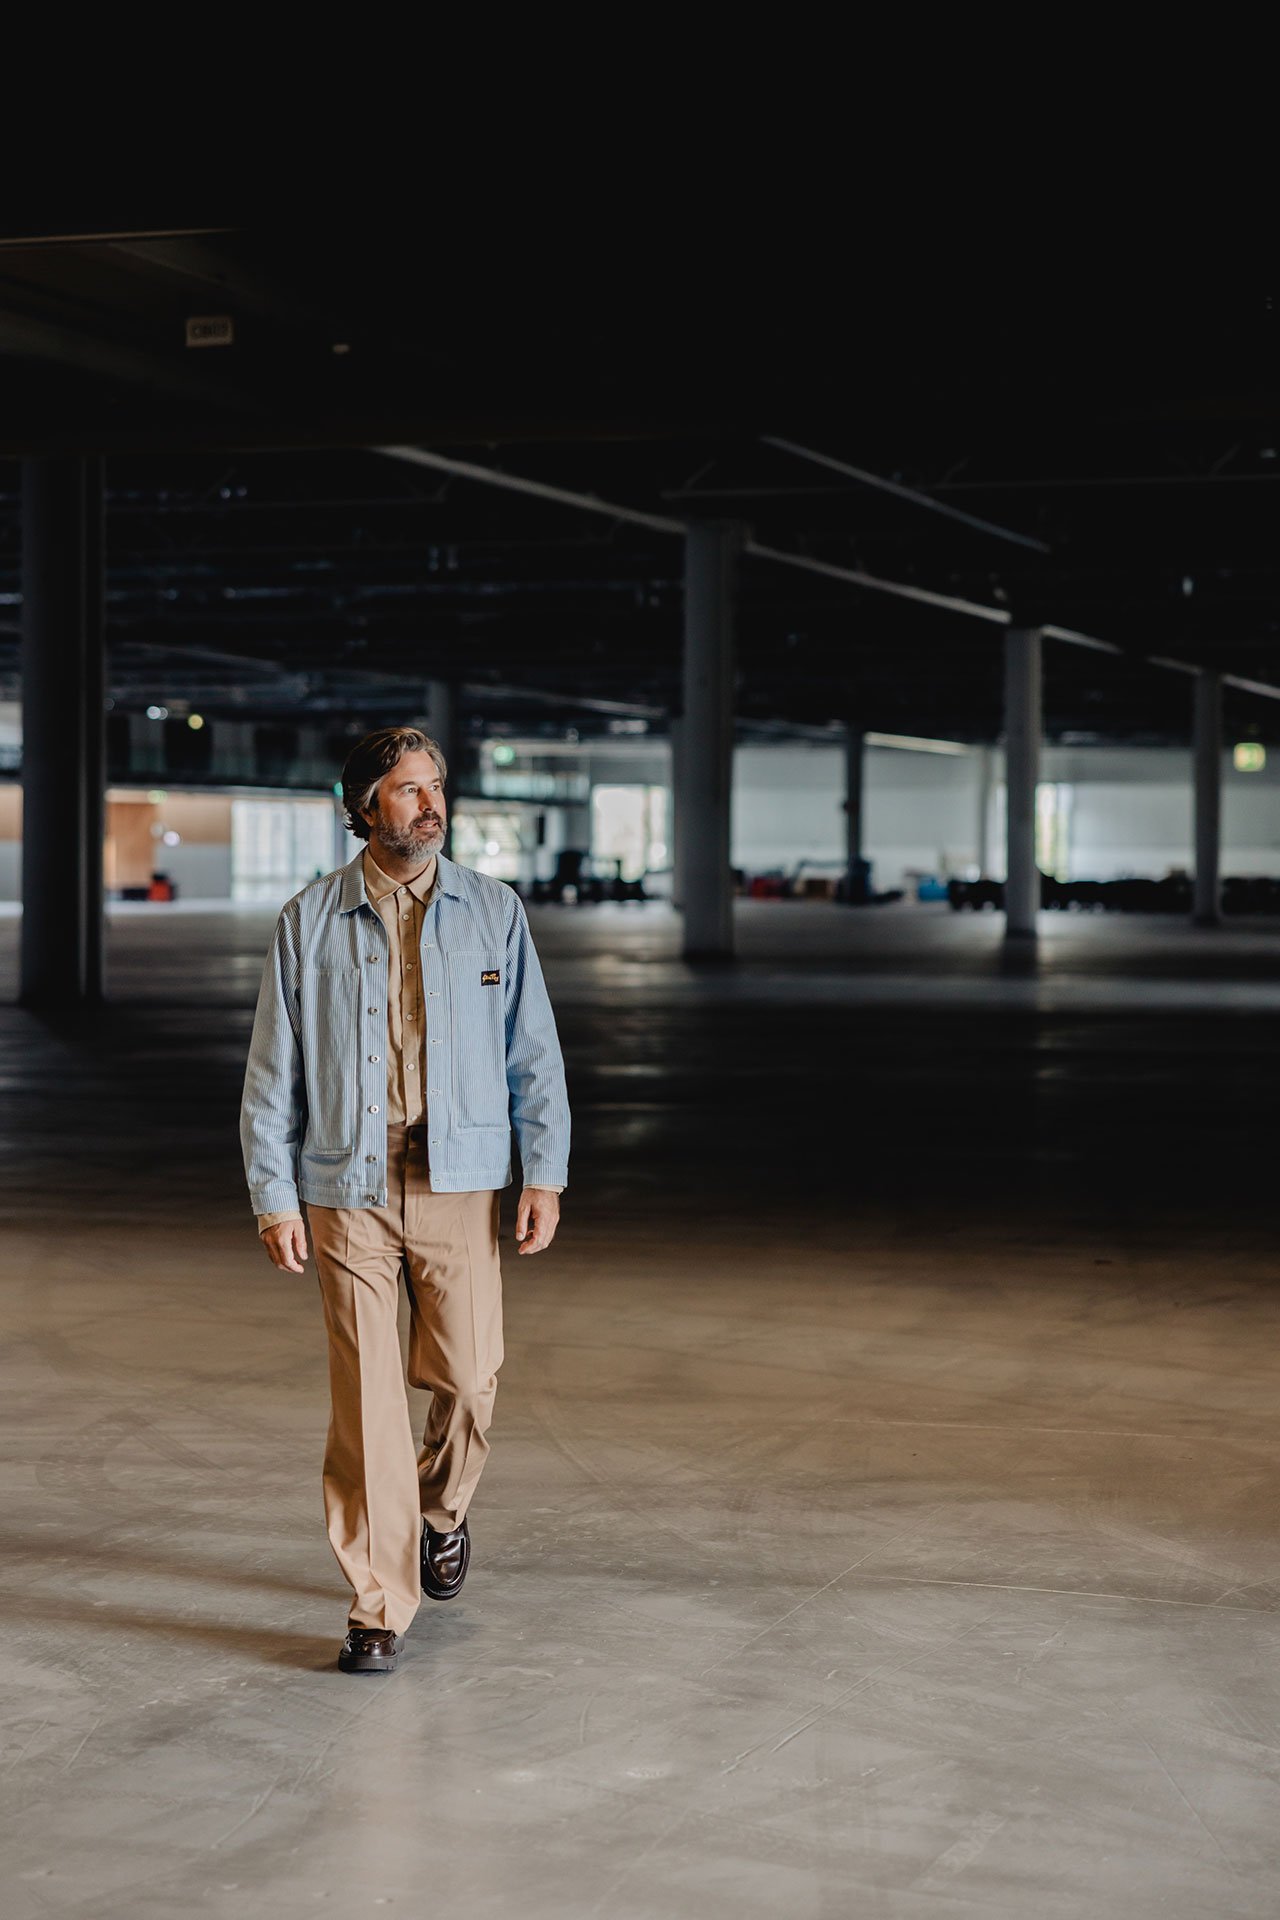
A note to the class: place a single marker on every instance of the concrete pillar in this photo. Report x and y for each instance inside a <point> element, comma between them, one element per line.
<point>342,848</point>
<point>854,777</point>
<point>442,725</point>
<point>1207,759</point>
<point>1022,723</point>
<point>232,749</point>
<point>706,771</point>
<point>676,808</point>
<point>63,732</point>
<point>146,746</point>
<point>982,801</point>
<point>576,818</point>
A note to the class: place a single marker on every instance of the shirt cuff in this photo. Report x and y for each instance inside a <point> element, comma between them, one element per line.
<point>266,1220</point>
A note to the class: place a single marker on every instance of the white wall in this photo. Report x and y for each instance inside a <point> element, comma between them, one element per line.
<point>787,806</point>
<point>1131,810</point>
<point>919,809</point>
<point>919,814</point>
<point>199,870</point>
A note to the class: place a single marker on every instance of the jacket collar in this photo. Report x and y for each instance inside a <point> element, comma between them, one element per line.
<point>354,893</point>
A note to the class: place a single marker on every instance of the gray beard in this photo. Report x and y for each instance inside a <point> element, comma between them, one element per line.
<point>408,842</point>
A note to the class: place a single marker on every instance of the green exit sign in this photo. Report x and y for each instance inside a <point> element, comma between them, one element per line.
<point>1250,756</point>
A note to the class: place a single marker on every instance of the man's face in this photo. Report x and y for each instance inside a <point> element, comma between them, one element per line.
<point>411,813</point>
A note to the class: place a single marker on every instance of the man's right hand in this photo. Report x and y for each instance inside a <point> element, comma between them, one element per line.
<point>286,1245</point>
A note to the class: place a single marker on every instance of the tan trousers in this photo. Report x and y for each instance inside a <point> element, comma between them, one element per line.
<point>376,1486</point>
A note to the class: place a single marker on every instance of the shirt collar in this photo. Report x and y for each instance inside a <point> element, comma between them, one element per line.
<point>380,883</point>
<point>356,886</point>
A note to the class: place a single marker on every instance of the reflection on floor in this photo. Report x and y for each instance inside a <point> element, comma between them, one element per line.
<point>882,1511</point>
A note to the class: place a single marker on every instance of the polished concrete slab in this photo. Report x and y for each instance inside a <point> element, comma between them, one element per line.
<point>882,1517</point>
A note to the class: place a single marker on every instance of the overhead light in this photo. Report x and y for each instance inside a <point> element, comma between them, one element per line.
<point>157,713</point>
<point>1249,756</point>
<point>195,720</point>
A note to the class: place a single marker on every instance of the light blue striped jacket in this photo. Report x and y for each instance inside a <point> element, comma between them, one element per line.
<point>313,1121</point>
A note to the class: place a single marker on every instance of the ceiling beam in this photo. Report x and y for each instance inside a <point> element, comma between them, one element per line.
<point>536,489</point>
<point>950,603</point>
<point>903,590</point>
<point>13,242</point>
<point>900,492</point>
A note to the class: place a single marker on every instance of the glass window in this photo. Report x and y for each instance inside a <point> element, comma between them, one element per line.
<point>277,846</point>
<point>629,824</point>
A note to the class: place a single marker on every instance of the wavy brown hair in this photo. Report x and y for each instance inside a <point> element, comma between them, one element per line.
<point>370,761</point>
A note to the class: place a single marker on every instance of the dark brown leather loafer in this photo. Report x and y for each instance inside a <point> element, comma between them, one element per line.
<point>445,1559</point>
<point>370,1650</point>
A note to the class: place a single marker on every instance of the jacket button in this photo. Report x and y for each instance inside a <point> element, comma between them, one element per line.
<point>371,1156</point>
<point>373,1056</point>
<point>373,1109</point>
<point>373,1009</point>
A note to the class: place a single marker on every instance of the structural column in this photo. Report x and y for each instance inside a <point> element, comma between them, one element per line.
<point>676,834</point>
<point>854,776</point>
<point>1207,754</point>
<point>1022,722</point>
<point>706,747</point>
<point>442,717</point>
<point>982,801</point>
<point>63,732</point>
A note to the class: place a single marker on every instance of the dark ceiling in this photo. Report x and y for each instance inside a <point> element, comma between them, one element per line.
<point>1120,457</point>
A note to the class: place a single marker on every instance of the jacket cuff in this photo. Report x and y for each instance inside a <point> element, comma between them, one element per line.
<point>278,1196</point>
<point>535,1176</point>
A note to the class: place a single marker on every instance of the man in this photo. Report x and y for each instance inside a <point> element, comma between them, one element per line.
<point>402,1029</point>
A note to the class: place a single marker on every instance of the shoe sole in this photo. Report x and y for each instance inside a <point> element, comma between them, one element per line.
<point>371,1662</point>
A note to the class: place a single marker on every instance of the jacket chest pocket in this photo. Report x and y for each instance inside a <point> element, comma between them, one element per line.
<point>329,1052</point>
<point>477,1038</point>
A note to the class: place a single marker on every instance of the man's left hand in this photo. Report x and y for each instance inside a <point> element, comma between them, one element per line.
<point>537,1218</point>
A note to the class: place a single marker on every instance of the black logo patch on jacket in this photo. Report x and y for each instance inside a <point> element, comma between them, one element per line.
<point>490,978</point>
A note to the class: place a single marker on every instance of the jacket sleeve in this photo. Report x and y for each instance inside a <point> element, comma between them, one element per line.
<point>273,1108</point>
<point>535,1067</point>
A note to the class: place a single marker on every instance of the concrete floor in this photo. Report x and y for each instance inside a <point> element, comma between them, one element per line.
<point>882,1518</point>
